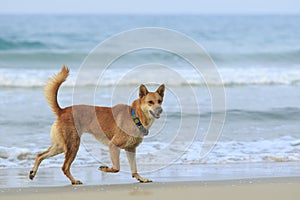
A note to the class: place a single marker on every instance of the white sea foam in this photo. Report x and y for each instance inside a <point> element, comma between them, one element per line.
<point>230,76</point>
<point>284,149</point>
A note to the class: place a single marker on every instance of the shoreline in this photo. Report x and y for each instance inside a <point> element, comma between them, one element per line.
<point>54,177</point>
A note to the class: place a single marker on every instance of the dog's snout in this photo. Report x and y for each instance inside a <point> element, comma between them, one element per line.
<point>159,110</point>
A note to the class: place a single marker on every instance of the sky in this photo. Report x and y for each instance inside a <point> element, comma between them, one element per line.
<point>150,6</point>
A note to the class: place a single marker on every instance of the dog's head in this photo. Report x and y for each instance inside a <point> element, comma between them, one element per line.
<point>151,101</point>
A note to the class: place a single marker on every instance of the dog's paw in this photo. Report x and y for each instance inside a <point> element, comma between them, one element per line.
<point>31,175</point>
<point>108,169</point>
<point>77,182</point>
<point>141,179</point>
<point>103,168</point>
<point>145,180</point>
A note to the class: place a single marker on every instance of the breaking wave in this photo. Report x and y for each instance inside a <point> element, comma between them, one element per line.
<point>230,76</point>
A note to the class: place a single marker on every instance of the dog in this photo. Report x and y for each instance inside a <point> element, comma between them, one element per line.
<point>118,127</point>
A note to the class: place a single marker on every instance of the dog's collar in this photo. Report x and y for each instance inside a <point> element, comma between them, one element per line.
<point>138,123</point>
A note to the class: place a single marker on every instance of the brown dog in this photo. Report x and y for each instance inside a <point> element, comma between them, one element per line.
<point>119,127</point>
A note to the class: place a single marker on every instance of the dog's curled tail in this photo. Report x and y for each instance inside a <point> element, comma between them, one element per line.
<point>52,87</point>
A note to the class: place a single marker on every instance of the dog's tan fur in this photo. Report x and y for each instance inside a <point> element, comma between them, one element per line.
<point>112,126</point>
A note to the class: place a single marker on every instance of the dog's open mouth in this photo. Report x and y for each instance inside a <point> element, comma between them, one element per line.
<point>155,115</point>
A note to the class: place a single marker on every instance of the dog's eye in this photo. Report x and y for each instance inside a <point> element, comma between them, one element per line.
<point>151,102</point>
<point>159,101</point>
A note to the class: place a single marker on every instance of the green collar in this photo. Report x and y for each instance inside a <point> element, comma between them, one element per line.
<point>138,123</point>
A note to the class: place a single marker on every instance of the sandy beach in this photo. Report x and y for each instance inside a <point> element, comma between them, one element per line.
<point>273,188</point>
<point>175,182</point>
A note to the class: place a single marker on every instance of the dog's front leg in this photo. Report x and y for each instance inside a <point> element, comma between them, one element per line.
<point>132,162</point>
<point>114,152</point>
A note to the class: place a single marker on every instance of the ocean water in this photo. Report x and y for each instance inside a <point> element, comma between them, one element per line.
<point>257,57</point>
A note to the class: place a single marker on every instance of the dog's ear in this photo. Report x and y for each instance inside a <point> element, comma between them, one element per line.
<point>161,90</point>
<point>143,91</point>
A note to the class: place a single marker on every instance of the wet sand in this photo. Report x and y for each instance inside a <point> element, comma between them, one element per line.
<point>175,182</point>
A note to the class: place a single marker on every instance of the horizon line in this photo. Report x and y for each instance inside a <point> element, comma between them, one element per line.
<point>149,13</point>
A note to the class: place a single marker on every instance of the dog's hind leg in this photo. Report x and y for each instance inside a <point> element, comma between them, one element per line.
<point>52,151</point>
<point>71,150</point>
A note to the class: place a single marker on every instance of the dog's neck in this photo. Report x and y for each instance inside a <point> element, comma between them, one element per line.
<point>145,118</point>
